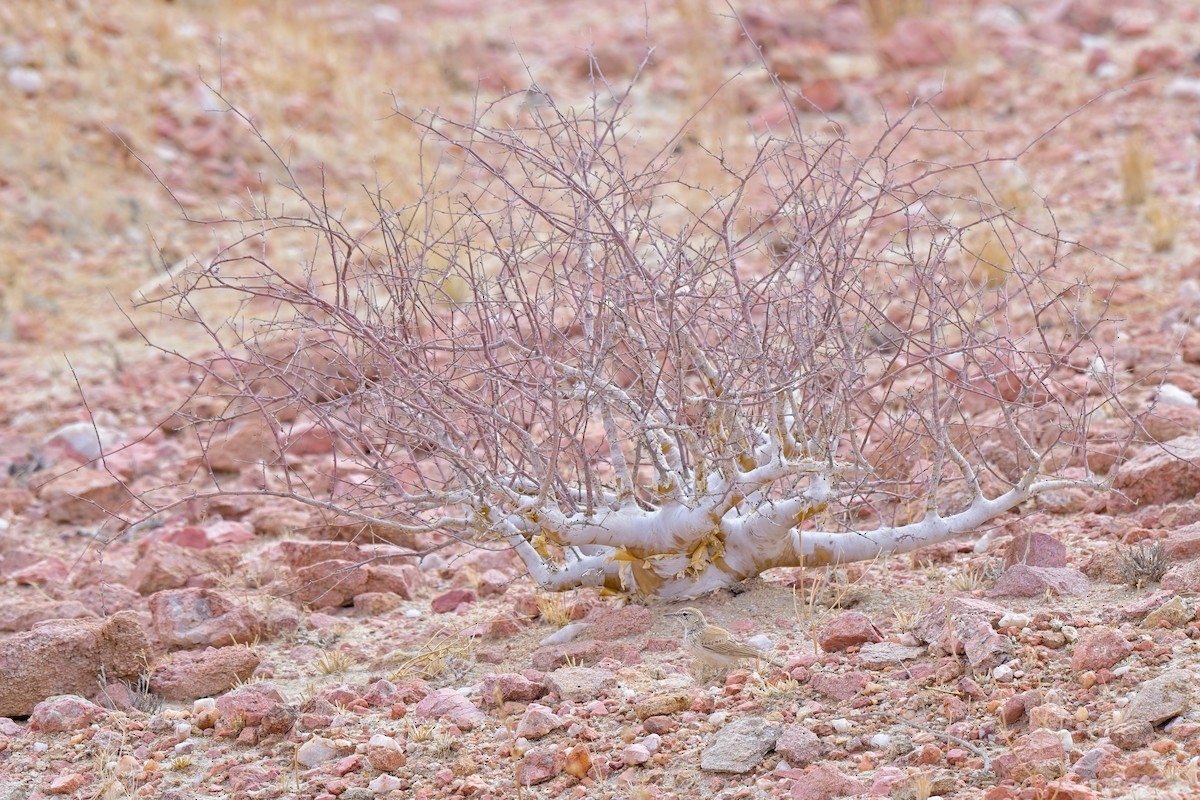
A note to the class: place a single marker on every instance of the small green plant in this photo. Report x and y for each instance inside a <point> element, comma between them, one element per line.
<point>1143,563</point>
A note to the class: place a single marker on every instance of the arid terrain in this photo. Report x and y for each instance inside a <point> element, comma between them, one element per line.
<point>245,646</point>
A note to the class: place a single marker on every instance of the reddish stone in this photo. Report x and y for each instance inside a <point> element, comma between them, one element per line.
<point>14,499</point>
<point>1035,550</point>
<point>499,688</point>
<point>848,629</point>
<point>84,496</point>
<point>401,579</point>
<point>1099,648</point>
<point>1162,475</point>
<point>451,600</point>
<point>918,42</point>
<point>330,584</point>
<point>205,673</point>
<point>1039,752</point>
<point>248,705</point>
<point>824,781</point>
<point>49,571</point>
<point>449,704</point>
<point>165,566</point>
<point>66,784</point>
<point>205,617</point>
<point>64,657</point>
<point>64,713</point>
<point>1024,581</point>
<point>539,766</point>
<point>615,623</point>
<point>840,686</point>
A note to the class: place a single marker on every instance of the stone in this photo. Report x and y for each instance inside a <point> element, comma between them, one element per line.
<point>1160,698</point>
<point>166,566</point>
<point>825,781</point>
<point>1099,648</point>
<point>210,618</point>
<point>538,721</point>
<point>1040,752</point>
<point>579,684</point>
<point>315,751</point>
<point>578,762</point>
<point>1025,581</point>
<point>384,753</point>
<point>1035,549</point>
<point>84,496</point>
<point>332,583</point>
<point>918,42</point>
<point>451,600</point>
<point>885,655</point>
<point>540,765</point>
<point>1164,474</point>
<point>662,704</point>
<point>1131,735</point>
<point>1175,613</point>
<point>22,613</point>
<point>798,745</point>
<point>839,685</point>
<point>244,445</point>
<point>400,579</point>
<point>848,629</point>
<point>248,705</point>
<point>617,623</point>
<point>983,647</point>
<point>448,704</point>
<point>205,673</point>
<point>499,688</point>
<point>64,713</point>
<point>741,745</point>
<point>65,656</point>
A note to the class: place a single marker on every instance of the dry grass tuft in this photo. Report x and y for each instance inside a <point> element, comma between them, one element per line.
<point>333,662</point>
<point>1143,564</point>
<point>882,15</point>
<point>1137,169</point>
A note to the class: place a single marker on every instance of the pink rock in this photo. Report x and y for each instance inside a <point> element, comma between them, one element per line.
<point>205,617</point>
<point>983,647</point>
<point>165,566</point>
<point>1162,475</point>
<point>400,579</point>
<point>204,673</point>
<point>1168,422</point>
<point>918,42</point>
<point>499,688</point>
<point>1184,578</point>
<point>66,784</point>
<point>798,745</point>
<point>494,582</point>
<point>14,499</point>
<point>245,445</point>
<point>635,754</point>
<point>449,704</point>
<point>48,571</point>
<point>385,754</point>
<point>21,614</point>
<point>62,713</point>
<point>1099,648</point>
<point>84,496</point>
<point>308,439</point>
<point>615,623</point>
<point>1023,581</point>
<point>1035,550</point>
<point>848,629</point>
<point>64,657</point>
<point>245,778</point>
<point>824,781</point>
<point>1131,735</point>
<point>249,704</point>
<point>840,685</point>
<point>330,584</point>
<point>539,766</point>
<point>538,721</point>
<point>451,600</point>
<point>1183,544</point>
<point>376,604</point>
<point>223,531</point>
<point>1039,752</point>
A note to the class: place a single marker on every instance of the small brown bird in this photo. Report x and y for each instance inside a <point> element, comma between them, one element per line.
<point>713,646</point>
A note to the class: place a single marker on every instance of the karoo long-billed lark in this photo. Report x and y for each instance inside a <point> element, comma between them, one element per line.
<point>714,647</point>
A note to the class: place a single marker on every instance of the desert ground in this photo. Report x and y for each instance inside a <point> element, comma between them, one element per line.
<point>248,647</point>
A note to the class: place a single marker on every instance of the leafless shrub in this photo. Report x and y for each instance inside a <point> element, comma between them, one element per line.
<point>838,359</point>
